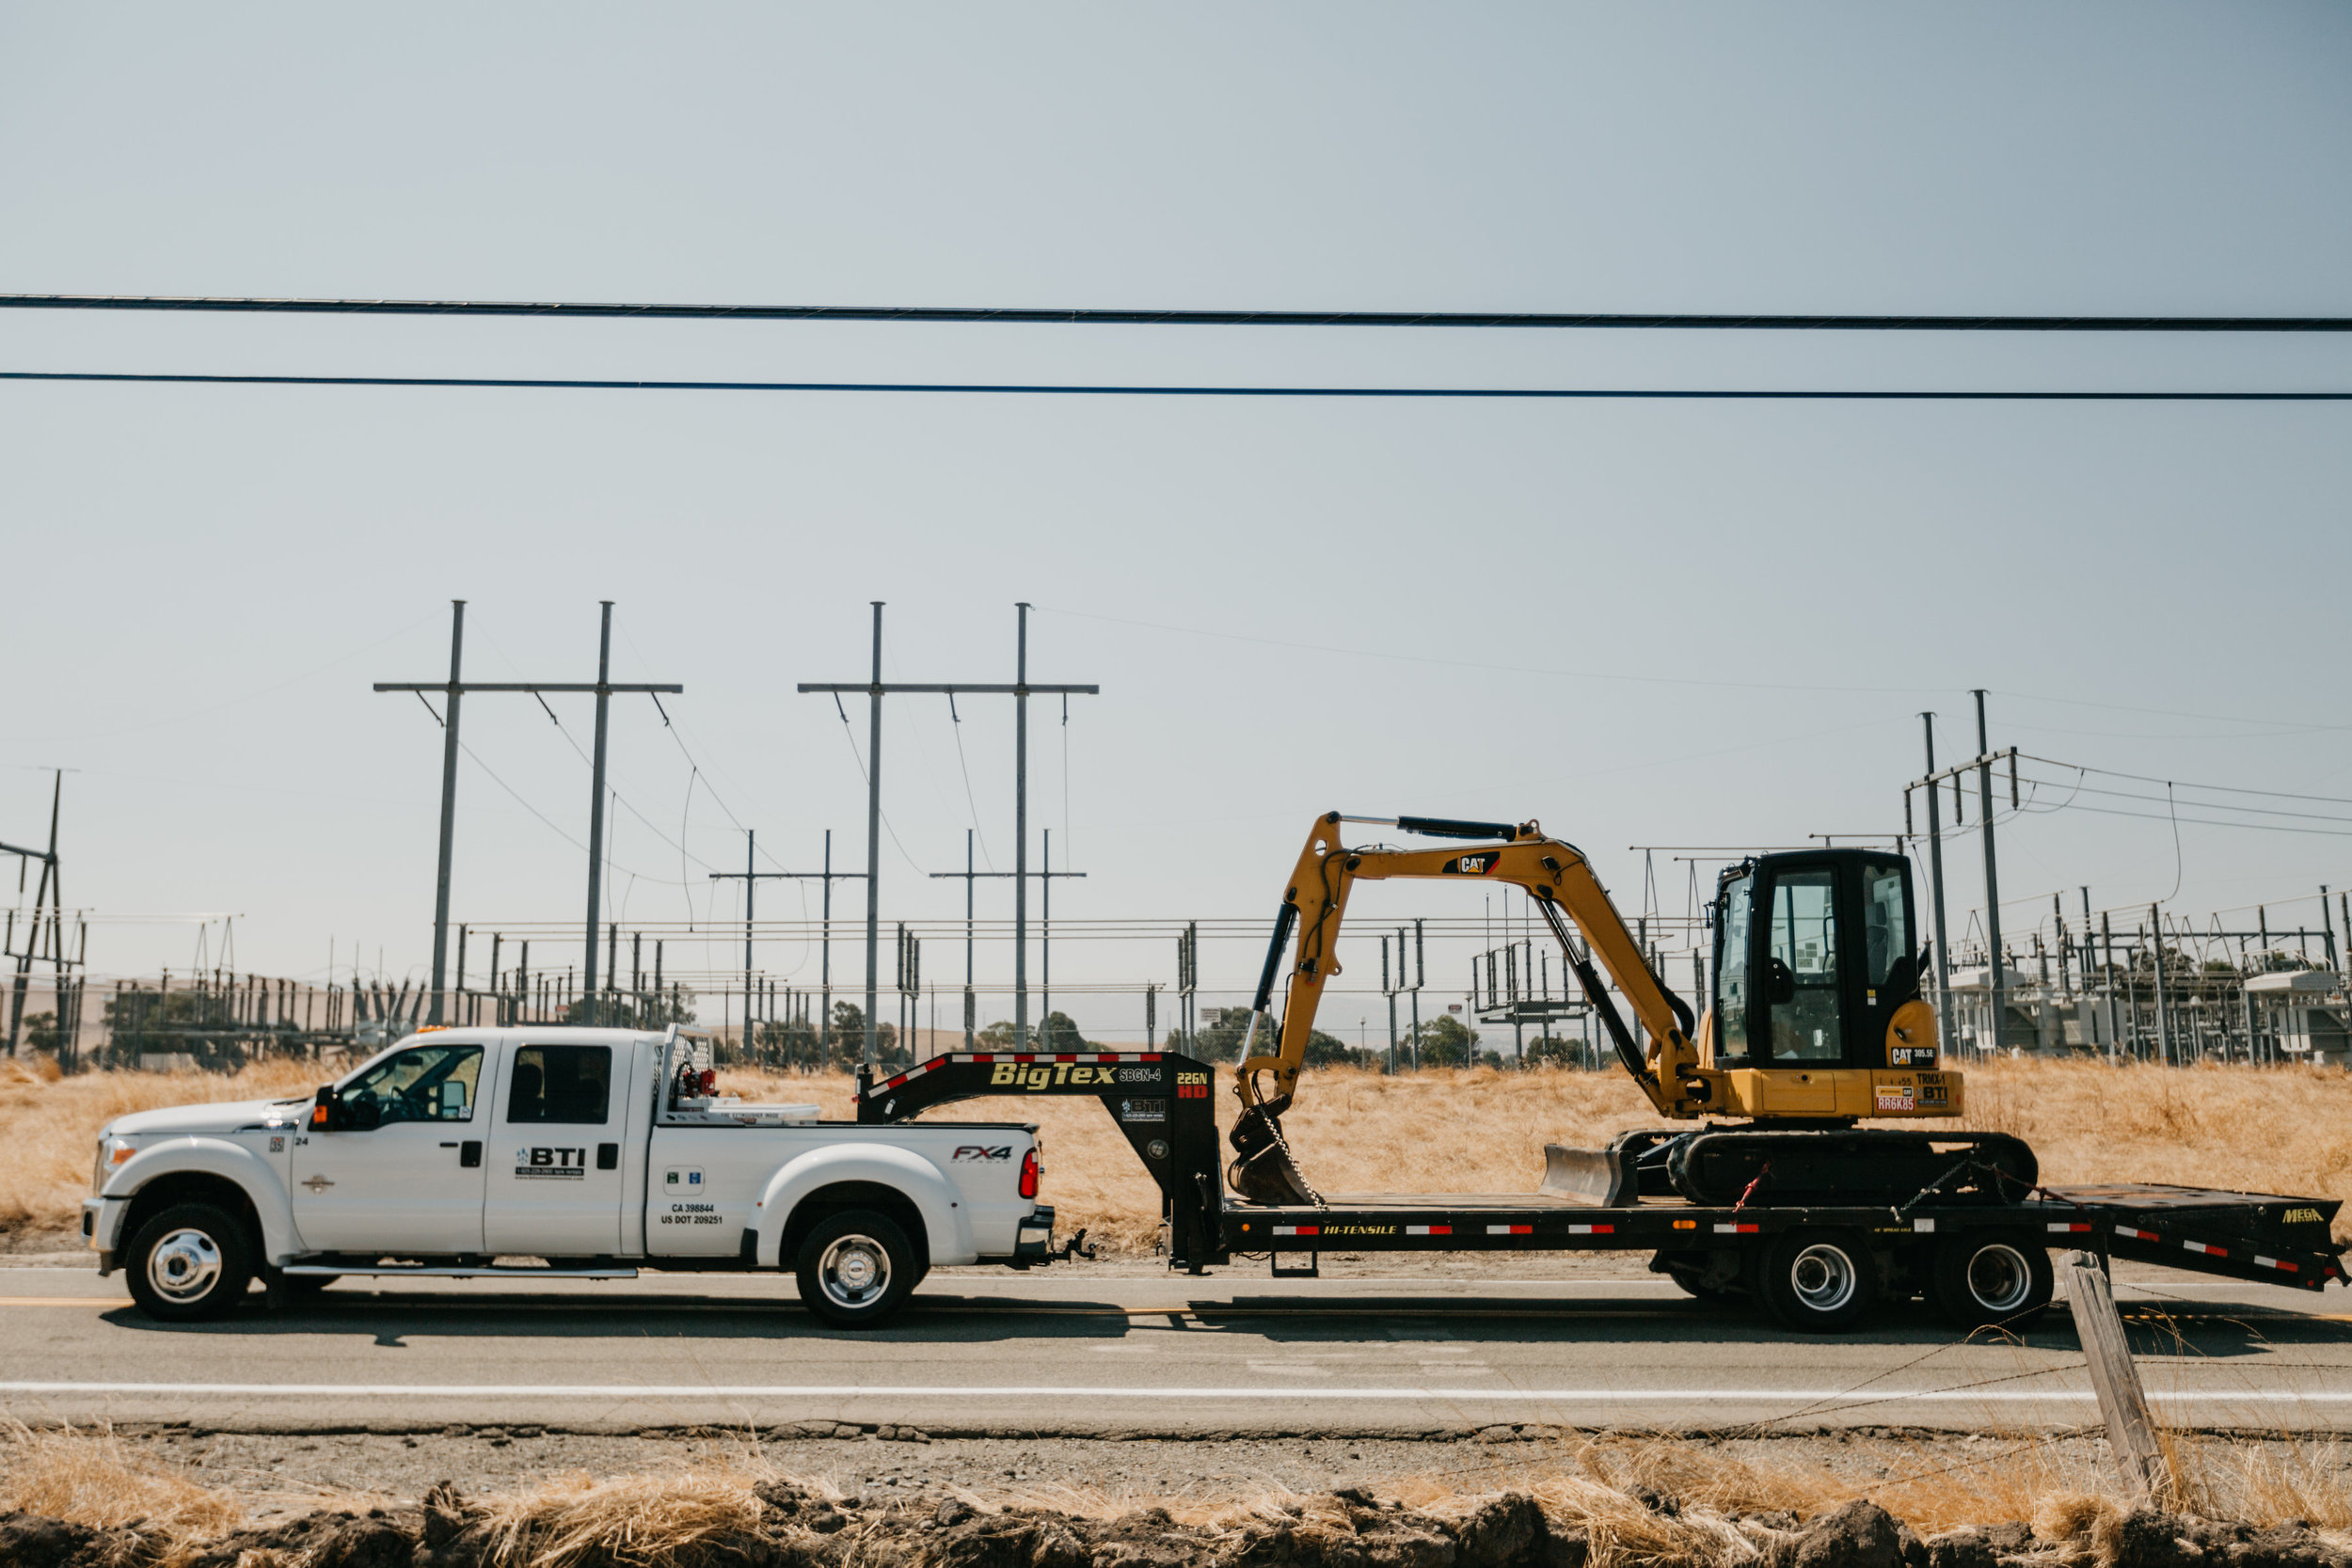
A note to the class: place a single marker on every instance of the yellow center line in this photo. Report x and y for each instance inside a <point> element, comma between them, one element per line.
<point>65,1301</point>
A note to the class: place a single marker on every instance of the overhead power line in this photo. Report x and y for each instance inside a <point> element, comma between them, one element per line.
<point>1743,321</point>
<point>1051,389</point>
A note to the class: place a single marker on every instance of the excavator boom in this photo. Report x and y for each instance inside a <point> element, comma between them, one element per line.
<point>1552,873</point>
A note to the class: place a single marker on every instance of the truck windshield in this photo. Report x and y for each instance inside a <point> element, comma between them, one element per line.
<point>424,1083</point>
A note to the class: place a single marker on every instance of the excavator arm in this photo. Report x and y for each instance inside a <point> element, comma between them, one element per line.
<point>1553,874</point>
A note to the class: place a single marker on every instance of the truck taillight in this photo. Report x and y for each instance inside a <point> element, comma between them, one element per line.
<point>1029,1173</point>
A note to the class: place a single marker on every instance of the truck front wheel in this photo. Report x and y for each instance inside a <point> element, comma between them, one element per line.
<point>855,1268</point>
<point>190,1263</point>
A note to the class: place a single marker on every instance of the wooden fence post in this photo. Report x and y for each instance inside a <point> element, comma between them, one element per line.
<point>2114,1377</point>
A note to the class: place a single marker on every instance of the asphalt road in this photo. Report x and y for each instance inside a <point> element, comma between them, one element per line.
<point>1084,1352</point>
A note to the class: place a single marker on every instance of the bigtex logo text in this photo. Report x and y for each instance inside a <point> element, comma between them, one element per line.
<point>1041,1075</point>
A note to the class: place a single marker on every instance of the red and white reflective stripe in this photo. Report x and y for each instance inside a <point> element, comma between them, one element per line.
<point>987,1056</point>
<point>896,1081</point>
<point>2208,1251</point>
<point>1510,1230</point>
<point>2277,1263</point>
<point>1429,1230</point>
<point>2066,1228</point>
<point>1591,1230</point>
<point>2135,1234</point>
<point>1735,1229</point>
<point>1298,1230</point>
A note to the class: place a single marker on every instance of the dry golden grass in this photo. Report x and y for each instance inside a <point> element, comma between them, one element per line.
<point>50,1125</point>
<point>1598,1485</point>
<point>94,1478</point>
<point>2282,1129</point>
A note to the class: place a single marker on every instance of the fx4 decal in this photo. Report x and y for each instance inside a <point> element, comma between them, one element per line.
<point>983,1152</point>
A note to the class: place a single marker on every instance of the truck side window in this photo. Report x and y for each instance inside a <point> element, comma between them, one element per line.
<point>424,1083</point>
<point>570,1084</point>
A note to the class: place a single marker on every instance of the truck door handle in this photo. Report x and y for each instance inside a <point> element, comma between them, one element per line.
<point>608,1156</point>
<point>470,1153</point>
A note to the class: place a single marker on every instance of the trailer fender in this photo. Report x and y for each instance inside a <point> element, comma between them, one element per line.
<point>947,1225</point>
<point>197,1161</point>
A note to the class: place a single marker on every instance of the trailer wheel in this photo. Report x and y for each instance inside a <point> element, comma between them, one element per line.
<point>190,1263</point>
<point>855,1268</point>
<point>1992,1278</point>
<point>1816,1281</point>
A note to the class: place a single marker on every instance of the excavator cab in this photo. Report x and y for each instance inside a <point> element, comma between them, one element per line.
<point>1814,964</point>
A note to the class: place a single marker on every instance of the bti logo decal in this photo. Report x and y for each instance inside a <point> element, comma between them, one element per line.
<point>543,1165</point>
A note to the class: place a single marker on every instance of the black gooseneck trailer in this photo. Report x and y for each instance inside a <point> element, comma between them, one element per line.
<point>1819,1268</point>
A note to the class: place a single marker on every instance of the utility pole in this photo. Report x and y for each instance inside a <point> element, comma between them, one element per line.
<point>455,689</point>
<point>750,876</point>
<point>969,875</point>
<point>828,876</point>
<point>1935,881</point>
<point>2164,1011</point>
<point>1999,987</point>
<point>1046,942</point>
<point>49,916</point>
<point>875,690</point>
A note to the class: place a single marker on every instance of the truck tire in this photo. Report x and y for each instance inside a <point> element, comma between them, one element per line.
<point>1992,1278</point>
<point>855,1268</point>
<point>190,1263</point>
<point>1816,1281</point>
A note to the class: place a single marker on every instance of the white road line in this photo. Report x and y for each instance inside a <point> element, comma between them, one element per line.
<point>1042,1390</point>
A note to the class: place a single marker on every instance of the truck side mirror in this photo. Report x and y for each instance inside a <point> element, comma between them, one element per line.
<point>325,1108</point>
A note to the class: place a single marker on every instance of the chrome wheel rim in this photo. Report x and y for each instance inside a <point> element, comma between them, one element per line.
<point>185,1266</point>
<point>1999,1277</point>
<point>1824,1278</point>
<point>854,1271</point>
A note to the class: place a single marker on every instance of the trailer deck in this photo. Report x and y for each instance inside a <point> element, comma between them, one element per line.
<point>1165,1105</point>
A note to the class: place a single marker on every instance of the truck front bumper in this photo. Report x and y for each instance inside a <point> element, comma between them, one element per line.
<point>98,1225</point>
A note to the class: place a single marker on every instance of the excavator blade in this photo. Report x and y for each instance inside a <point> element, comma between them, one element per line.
<point>1264,1172</point>
<point>1602,1178</point>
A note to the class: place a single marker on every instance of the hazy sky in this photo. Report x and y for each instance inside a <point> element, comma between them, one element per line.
<point>1663,622</point>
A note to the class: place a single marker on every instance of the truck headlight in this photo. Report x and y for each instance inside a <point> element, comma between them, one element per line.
<point>112,1152</point>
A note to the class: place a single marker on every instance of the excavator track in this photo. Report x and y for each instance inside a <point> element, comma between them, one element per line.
<point>1778,1168</point>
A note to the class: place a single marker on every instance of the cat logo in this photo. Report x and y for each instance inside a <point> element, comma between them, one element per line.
<point>1472,865</point>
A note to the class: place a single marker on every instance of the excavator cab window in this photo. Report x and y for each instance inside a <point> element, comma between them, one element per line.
<point>1801,979</point>
<point>1733,984</point>
<point>1812,956</point>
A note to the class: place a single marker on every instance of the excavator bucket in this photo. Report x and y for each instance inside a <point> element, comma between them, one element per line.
<point>1602,1178</point>
<point>1264,1171</point>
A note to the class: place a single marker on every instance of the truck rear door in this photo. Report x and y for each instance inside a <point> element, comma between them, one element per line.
<point>556,1170</point>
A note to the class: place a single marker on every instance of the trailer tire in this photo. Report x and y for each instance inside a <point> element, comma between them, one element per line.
<point>856,1269</point>
<point>1992,1279</point>
<point>190,1263</point>
<point>1816,1281</point>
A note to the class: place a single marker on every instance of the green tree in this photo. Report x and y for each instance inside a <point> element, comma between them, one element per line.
<point>42,1034</point>
<point>1445,1041</point>
<point>1221,1042</point>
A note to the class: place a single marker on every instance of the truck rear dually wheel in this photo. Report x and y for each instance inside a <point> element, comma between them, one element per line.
<point>190,1263</point>
<point>855,1268</point>
<point>1992,1278</point>
<point>1816,1281</point>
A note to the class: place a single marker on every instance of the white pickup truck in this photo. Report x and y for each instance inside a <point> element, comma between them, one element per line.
<point>539,1152</point>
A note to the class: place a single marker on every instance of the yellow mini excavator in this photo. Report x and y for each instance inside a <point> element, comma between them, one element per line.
<point>1816,1023</point>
